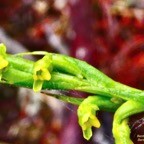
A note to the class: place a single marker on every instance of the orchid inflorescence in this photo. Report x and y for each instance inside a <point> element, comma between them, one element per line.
<point>60,72</point>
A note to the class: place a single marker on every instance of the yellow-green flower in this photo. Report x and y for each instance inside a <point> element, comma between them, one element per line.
<point>3,61</point>
<point>87,118</point>
<point>42,70</point>
<point>2,49</point>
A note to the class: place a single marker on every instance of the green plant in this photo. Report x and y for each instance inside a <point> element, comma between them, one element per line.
<point>59,72</point>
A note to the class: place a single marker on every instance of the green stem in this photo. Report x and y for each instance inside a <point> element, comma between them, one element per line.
<point>58,80</point>
<point>127,93</point>
<point>121,131</point>
<point>104,103</point>
<point>69,73</point>
<point>68,99</point>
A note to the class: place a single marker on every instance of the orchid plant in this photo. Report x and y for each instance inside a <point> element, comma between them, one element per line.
<point>60,72</point>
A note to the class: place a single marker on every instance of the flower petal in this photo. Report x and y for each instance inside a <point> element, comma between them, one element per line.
<point>95,122</point>
<point>2,50</point>
<point>3,61</point>
<point>46,74</point>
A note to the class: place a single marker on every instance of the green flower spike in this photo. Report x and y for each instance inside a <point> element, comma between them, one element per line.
<point>42,70</point>
<point>87,118</point>
<point>3,61</point>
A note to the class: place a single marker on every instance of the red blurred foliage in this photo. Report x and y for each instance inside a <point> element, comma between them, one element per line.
<point>107,37</point>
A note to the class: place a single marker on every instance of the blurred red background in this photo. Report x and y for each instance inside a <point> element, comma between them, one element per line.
<point>108,34</point>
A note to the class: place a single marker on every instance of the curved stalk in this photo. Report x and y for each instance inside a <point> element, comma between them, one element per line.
<point>121,130</point>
